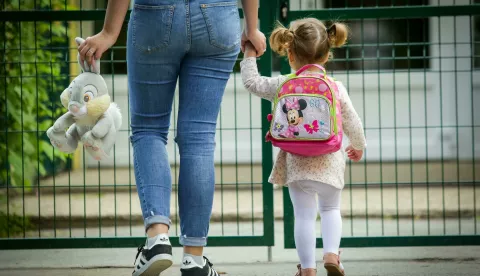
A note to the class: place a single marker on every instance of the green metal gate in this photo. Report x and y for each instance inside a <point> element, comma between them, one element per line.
<point>411,69</point>
<point>417,185</point>
<point>52,200</point>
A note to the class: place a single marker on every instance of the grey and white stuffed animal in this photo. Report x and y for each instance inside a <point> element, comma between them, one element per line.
<point>91,117</point>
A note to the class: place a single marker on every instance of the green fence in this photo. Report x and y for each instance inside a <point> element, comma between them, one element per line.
<point>411,69</point>
<point>52,200</point>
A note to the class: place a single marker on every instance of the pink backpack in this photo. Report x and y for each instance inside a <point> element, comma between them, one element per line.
<point>306,118</point>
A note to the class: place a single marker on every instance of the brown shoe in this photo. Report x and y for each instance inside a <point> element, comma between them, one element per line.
<point>331,262</point>
<point>306,272</point>
<point>299,272</point>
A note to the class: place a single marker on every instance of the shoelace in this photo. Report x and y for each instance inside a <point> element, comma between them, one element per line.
<point>208,261</point>
<point>140,250</point>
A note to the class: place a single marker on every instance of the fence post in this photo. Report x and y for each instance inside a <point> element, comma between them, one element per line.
<point>267,17</point>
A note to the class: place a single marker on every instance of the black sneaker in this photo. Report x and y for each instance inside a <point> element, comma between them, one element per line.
<point>151,261</point>
<point>190,268</point>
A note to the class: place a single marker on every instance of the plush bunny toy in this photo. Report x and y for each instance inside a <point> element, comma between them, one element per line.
<point>91,117</point>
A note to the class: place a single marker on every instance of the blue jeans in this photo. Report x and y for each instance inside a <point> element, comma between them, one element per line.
<point>196,42</point>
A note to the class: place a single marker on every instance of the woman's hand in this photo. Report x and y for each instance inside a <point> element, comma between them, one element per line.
<point>94,47</point>
<point>257,39</point>
<point>249,50</point>
<point>354,154</point>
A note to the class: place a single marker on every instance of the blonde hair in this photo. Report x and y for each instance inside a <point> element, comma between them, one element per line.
<point>308,39</point>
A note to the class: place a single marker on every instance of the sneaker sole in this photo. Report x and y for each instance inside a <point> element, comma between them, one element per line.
<point>333,270</point>
<point>155,266</point>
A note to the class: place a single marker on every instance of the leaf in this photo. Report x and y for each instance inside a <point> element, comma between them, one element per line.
<point>15,163</point>
<point>62,156</point>
<point>45,125</point>
<point>47,149</point>
<point>42,170</point>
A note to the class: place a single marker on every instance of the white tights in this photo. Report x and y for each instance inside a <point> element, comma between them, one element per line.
<point>302,194</point>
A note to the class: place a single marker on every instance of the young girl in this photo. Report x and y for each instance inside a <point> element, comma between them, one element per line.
<point>308,41</point>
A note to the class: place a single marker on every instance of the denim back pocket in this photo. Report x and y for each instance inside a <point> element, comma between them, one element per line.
<point>223,24</point>
<point>151,27</point>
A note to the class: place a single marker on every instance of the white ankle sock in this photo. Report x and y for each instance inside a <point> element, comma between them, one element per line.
<point>197,259</point>
<point>162,238</point>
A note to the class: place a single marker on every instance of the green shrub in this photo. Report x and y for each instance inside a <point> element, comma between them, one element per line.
<point>13,225</point>
<point>33,74</point>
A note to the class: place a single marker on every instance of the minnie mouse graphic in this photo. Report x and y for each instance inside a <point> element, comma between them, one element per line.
<point>293,110</point>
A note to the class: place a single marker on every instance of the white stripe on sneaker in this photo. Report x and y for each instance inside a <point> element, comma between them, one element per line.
<point>212,272</point>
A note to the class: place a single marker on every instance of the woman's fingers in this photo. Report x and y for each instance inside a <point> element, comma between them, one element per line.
<point>263,45</point>
<point>258,47</point>
<point>243,40</point>
<point>89,51</point>
<point>83,53</point>
<point>99,53</point>
<point>90,54</point>
<point>93,47</point>
<point>259,42</point>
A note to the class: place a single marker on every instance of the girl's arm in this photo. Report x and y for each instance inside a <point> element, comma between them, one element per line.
<point>352,124</point>
<point>95,46</point>
<point>263,87</point>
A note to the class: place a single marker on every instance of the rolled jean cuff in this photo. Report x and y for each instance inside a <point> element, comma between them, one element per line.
<point>192,241</point>
<point>156,220</point>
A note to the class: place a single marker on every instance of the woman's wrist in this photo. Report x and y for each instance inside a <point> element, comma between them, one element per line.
<point>249,30</point>
<point>250,11</point>
<point>110,34</point>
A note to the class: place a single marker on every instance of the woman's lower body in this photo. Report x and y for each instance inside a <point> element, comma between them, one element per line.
<point>306,207</point>
<point>197,43</point>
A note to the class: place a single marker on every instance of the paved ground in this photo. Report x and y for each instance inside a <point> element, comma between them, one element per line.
<point>251,261</point>
<point>453,261</point>
<point>372,268</point>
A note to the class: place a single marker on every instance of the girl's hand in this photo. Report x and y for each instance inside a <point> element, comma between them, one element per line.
<point>95,46</point>
<point>353,154</point>
<point>249,50</point>
<point>257,39</point>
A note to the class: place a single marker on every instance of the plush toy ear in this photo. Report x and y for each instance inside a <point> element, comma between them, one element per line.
<point>94,68</point>
<point>79,41</point>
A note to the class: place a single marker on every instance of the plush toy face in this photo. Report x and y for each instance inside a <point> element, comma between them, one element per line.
<point>86,95</point>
